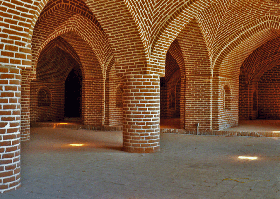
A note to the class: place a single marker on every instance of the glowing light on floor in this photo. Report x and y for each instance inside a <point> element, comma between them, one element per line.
<point>63,123</point>
<point>247,158</point>
<point>76,144</point>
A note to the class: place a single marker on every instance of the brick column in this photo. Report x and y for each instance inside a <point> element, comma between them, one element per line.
<point>141,113</point>
<point>26,75</point>
<point>92,102</point>
<point>9,128</point>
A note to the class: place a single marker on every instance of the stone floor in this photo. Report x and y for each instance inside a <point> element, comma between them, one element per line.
<point>188,166</point>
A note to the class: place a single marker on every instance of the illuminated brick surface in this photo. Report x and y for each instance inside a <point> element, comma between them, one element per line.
<point>206,52</point>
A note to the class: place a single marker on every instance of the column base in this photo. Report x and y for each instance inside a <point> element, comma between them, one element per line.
<point>6,188</point>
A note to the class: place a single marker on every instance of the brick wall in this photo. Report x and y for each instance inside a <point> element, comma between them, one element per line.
<point>266,90</point>
<point>27,76</point>
<point>268,94</point>
<point>115,99</point>
<point>52,112</point>
<point>262,59</point>
<point>9,128</point>
<point>197,78</point>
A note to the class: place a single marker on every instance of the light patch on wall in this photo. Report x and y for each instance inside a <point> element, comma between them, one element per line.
<point>247,158</point>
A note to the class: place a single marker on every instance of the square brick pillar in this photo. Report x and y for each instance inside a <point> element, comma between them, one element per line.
<point>9,128</point>
<point>141,113</point>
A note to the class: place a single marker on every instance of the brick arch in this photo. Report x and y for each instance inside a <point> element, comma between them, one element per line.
<point>270,65</point>
<point>265,23</point>
<point>40,8</point>
<point>54,76</point>
<point>197,77</point>
<point>154,14</point>
<point>60,43</point>
<point>171,28</point>
<point>261,60</point>
<point>123,35</point>
<point>46,71</point>
<point>176,53</point>
<point>227,67</point>
<point>89,32</point>
<point>93,81</point>
<point>76,6</point>
<point>63,45</point>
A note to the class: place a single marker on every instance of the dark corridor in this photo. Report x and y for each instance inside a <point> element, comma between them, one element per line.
<point>73,94</point>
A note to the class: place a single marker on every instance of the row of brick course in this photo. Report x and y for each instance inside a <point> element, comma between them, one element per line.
<point>9,128</point>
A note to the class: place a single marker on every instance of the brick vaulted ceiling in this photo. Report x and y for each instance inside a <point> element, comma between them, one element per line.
<point>145,28</point>
<point>261,60</point>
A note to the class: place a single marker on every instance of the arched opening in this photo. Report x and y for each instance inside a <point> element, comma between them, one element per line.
<point>259,83</point>
<point>241,69</point>
<point>73,94</point>
<point>170,97</point>
<point>47,92</point>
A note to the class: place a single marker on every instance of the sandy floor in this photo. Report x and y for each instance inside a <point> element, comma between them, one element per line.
<point>243,126</point>
<point>170,123</point>
<point>187,166</point>
<point>257,126</point>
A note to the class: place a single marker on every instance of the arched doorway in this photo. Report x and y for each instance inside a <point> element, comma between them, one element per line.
<point>73,94</point>
<point>170,94</point>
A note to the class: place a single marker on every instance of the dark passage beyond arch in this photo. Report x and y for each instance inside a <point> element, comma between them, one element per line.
<point>73,94</point>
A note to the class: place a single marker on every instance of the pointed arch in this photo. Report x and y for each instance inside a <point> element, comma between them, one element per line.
<point>123,34</point>
<point>170,29</point>
<point>227,66</point>
<point>86,30</point>
<point>198,82</point>
<point>176,52</point>
<point>259,31</point>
